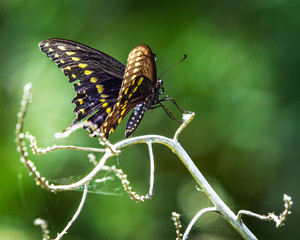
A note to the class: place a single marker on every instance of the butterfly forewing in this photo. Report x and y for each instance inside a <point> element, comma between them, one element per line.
<point>68,53</point>
<point>98,77</point>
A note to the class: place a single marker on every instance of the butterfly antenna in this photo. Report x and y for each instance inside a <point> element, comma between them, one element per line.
<point>184,57</point>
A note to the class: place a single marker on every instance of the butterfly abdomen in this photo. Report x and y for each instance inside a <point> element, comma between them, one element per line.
<point>135,118</point>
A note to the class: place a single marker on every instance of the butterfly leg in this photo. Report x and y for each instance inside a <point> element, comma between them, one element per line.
<point>167,98</point>
<point>166,110</point>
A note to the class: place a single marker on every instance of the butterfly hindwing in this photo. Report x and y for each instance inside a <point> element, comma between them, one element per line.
<point>139,80</point>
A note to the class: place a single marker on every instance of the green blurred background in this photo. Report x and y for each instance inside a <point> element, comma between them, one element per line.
<point>241,78</point>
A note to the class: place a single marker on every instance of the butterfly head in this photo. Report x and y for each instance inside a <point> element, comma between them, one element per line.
<point>160,86</point>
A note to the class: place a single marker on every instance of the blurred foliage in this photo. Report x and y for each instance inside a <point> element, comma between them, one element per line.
<point>241,78</point>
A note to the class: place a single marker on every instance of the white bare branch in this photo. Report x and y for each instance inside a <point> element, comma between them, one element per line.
<point>75,216</point>
<point>195,218</point>
<point>151,185</point>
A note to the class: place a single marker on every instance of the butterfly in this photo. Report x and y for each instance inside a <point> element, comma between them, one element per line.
<point>106,90</point>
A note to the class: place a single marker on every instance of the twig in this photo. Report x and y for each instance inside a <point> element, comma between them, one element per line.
<point>44,226</point>
<point>37,150</point>
<point>92,159</point>
<point>151,185</point>
<point>70,130</point>
<point>20,137</point>
<point>195,218</point>
<point>75,216</point>
<point>126,184</point>
<point>279,220</point>
<point>102,140</point>
<point>177,223</point>
<point>187,118</point>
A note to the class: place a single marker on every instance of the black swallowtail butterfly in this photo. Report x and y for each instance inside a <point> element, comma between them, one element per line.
<point>106,90</point>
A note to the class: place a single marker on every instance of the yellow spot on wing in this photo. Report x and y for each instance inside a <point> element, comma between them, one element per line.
<point>125,103</point>
<point>81,110</point>
<point>80,101</point>
<point>56,55</point>
<point>93,80</point>
<point>140,81</point>
<point>62,61</point>
<point>104,96</point>
<point>70,53</point>
<point>99,88</point>
<point>61,48</point>
<point>133,77</point>
<point>76,59</point>
<point>136,70</point>
<point>88,72</point>
<point>137,64</point>
<point>50,49</point>
<point>102,100</point>
<point>123,111</point>
<point>104,104</point>
<point>47,44</point>
<point>126,91</point>
<point>120,119</point>
<point>134,90</point>
<point>82,65</point>
<point>67,68</point>
<point>73,75</point>
<point>108,110</point>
